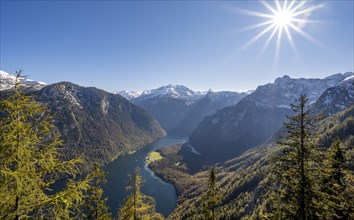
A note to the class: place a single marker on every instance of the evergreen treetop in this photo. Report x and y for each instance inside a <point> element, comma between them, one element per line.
<point>211,199</point>
<point>137,205</point>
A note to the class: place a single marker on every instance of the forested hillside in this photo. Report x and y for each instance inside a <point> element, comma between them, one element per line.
<point>242,179</point>
<point>254,119</point>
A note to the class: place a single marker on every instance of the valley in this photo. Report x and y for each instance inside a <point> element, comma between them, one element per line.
<point>177,110</point>
<point>117,178</point>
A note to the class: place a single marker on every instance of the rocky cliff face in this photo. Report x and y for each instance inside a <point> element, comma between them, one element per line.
<point>285,90</point>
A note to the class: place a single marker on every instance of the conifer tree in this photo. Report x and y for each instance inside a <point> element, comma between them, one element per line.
<point>30,162</point>
<point>297,170</point>
<point>348,193</point>
<point>211,199</point>
<point>138,206</point>
<point>96,205</point>
<point>334,183</point>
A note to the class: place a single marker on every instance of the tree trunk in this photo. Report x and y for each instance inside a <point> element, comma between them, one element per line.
<point>17,216</point>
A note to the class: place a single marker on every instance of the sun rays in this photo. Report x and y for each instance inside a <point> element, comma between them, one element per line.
<point>282,19</point>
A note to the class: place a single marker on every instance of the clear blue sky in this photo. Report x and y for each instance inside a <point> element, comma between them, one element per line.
<point>142,45</point>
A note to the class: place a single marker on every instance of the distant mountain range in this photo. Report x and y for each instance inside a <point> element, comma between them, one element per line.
<point>172,91</point>
<point>260,114</point>
<point>180,109</point>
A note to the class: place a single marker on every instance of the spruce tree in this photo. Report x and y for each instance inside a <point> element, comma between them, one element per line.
<point>211,199</point>
<point>138,206</point>
<point>334,183</point>
<point>297,192</point>
<point>95,203</point>
<point>31,163</point>
<point>348,193</point>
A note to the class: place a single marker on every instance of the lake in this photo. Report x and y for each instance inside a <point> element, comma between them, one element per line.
<point>117,178</point>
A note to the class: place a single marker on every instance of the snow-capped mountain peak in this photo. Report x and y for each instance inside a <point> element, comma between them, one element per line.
<point>7,81</point>
<point>285,90</point>
<point>172,91</point>
<point>336,98</point>
<point>128,94</point>
<point>4,75</point>
<point>348,81</point>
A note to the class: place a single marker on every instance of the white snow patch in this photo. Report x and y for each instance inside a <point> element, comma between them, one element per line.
<point>7,81</point>
<point>283,106</point>
<point>174,91</point>
<point>68,95</point>
<point>129,94</point>
<point>104,105</point>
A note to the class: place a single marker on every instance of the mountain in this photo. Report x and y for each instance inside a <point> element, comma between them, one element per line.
<point>285,90</point>
<point>169,111</point>
<point>99,124</point>
<point>208,105</point>
<point>172,91</point>
<point>7,81</point>
<point>128,94</point>
<point>96,124</point>
<point>179,109</point>
<point>336,98</point>
<point>255,118</point>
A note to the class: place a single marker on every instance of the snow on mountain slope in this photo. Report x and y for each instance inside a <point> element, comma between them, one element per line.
<point>175,91</point>
<point>285,90</point>
<point>7,81</point>
<point>128,94</point>
<point>172,91</point>
<point>347,82</point>
<point>336,98</point>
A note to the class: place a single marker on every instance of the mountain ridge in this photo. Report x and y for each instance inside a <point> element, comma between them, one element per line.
<point>170,90</point>
<point>260,113</point>
<point>96,124</point>
<point>7,81</point>
<point>99,124</point>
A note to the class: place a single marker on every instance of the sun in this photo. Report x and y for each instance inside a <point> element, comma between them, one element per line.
<point>282,18</point>
<point>285,17</point>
